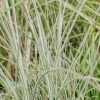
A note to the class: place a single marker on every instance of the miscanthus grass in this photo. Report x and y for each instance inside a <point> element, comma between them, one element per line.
<point>49,49</point>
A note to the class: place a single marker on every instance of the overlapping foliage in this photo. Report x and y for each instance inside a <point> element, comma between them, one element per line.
<point>50,50</point>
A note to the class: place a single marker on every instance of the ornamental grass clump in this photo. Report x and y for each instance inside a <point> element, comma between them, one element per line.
<point>49,50</point>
